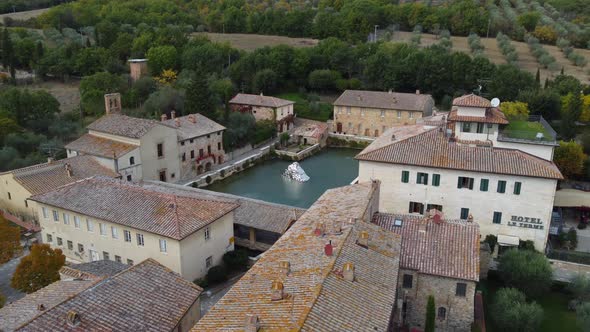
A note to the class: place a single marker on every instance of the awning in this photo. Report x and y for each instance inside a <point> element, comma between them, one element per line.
<point>571,198</point>
<point>508,240</point>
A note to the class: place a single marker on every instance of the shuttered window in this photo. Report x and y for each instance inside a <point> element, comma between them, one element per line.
<point>497,218</point>
<point>501,186</point>
<point>436,180</point>
<point>517,186</point>
<point>405,176</point>
<point>483,184</point>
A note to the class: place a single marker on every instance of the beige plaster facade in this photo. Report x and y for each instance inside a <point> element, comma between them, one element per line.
<point>13,198</point>
<point>371,122</point>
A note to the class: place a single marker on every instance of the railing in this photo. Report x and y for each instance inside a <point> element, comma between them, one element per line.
<point>528,136</point>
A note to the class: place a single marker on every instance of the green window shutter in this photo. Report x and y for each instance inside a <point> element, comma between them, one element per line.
<point>405,176</point>
<point>497,218</point>
<point>459,182</point>
<point>517,186</point>
<point>436,180</point>
<point>426,179</point>
<point>418,177</point>
<point>483,185</point>
<point>501,186</point>
<point>464,213</point>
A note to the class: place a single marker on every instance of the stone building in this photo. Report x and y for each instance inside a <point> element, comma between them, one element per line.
<point>108,296</point>
<point>138,68</point>
<point>370,113</point>
<point>310,133</point>
<point>200,143</point>
<point>17,186</point>
<point>509,192</point>
<point>265,108</point>
<point>101,218</point>
<point>439,258</point>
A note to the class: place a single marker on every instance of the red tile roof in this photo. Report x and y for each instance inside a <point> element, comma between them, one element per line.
<point>433,149</point>
<point>100,146</point>
<point>493,115</point>
<point>449,248</point>
<point>259,100</point>
<point>472,100</point>
<point>386,100</point>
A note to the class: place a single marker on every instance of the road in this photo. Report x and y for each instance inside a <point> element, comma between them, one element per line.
<point>6,272</point>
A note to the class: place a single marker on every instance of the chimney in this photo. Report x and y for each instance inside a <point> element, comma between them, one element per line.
<point>276,291</point>
<point>73,319</point>
<point>192,118</point>
<point>252,323</point>
<point>284,267</point>
<point>470,218</point>
<point>363,239</point>
<point>112,103</point>
<point>173,114</point>
<point>261,94</point>
<point>177,122</point>
<point>393,137</point>
<point>348,271</point>
<point>422,224</point>
<point>359,98</point>
<point>41,307</point>
<point>320,229</point>
<point>163,117</point>
<point>328,248</point>
<point>417,92</point>
<point>390,91</point>
<point>49,160</point>
<point>69,170</point>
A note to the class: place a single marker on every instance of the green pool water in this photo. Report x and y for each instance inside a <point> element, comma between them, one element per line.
<point>328,169</point>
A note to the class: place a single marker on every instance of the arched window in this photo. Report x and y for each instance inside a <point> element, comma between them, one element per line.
<point>442,313</point>
<point>131,160</point>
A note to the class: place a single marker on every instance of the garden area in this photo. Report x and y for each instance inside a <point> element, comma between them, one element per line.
<point>309,106</point>
<point>526,130</point>
<point>234,263</point>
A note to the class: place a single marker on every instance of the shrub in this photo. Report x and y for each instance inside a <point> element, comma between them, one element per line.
<point>38,269</point>
<point>217,274</point>
<point>580,286</point>
<point>572,237</point>
<point>491,240</point>
<point>201,282</point>
<point>236,260</point>
<point>526,245</point>
<point>511,312</point>
<point>430,315</point>
<point>526,270</point>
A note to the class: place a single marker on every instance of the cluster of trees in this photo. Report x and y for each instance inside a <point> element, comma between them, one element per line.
<point>475,44</point>
<point>38,269</point>
<point>8,6</point>
<point>575,57</point>
<point>543,57</point>
<point>507,49</point>
<point>9,241</point>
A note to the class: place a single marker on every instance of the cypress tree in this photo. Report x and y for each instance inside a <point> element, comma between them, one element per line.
<point>198,98</point>
<point>538,77</point>
<point>430,315</point>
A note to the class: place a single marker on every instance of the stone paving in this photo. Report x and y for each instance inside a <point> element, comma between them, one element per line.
<point>6,272</point>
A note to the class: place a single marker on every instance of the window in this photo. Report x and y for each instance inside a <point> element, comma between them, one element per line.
<point>517,186</point>
<point>399,114</point>
<point>80,247</point>
<point>163,245</point>
<point>405,176</point>
<point>192,154</point>
<point>163,176</point>
<point>105,256</point>
<point>191,140</point>
<point>129,178</point>
<point>497,218</point>
<point>434,206</point>
<point>201,153</point>
<point>172,175</point>
<point>45,212</point>
<point>436,180</point>
<point>77,222</point>
<point>114,232</point>
<point>208,136</point>
<point>26,203</point>
<point>103,229</point>
<point>382,114</point>
<point>9,196</point>
<point>66,219</point>
<point>480,128</point>
<point>208,149</point>
<point>207,233</point>
<point>483,184</point>
<point>160,148</point>
<point>182,143</point>
<point>464,213</point>
<point>398,222</point>
<point>60,242</point>
<point>184,156</point>
<point>421,178</point>
<point>209,262</point>
<point>466,127</point>
<point>70,245</point>
<point>219,146</point>
<point>117,258</point>
<point>416,207</point>
<point>129,262</point>
<point>408,281</point>
<point>442,313</point>
<point>501,186</point>
<point>411,115</point>
<point>140,240</point>
<point>49,238</point>
<point>127,235</point>
<point>89,225</point>
<point>131,160</point>
<point>465,182</point>
<point>347,109</point>
<point>55,216</point>
<point>461,289</point>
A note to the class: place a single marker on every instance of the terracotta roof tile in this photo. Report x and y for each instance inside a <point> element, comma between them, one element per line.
<point>493,115</point>
<point>258,100</point>
<point>139,205</point>
<point>187,129</point>
<point>472,100</point>
<point>40,178</point>
<point>102,268</point>
<point>385,100</point>
<point>448,249</point>
<point>100,146</point>
<point>122,125</point>
<point>433,149</point>
<point>318,298</point>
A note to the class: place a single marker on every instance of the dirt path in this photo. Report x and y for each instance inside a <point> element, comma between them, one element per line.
<point>250,42</point>
<point>24,15</point>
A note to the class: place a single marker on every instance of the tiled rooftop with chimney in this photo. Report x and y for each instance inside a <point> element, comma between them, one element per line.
<point>447,248</point>
<point>40,178</point>
<point>320,275</point>
<point>430,147</point>
<point>172,213</point>
<point>384,100</point>
<point>123,125</point>
<point>192,125</point>
<point>100,146</point>
<point>144,297</point>
<point>259,100</point>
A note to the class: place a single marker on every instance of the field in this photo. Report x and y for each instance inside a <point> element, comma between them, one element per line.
<point>248,42</point>
<point>68,94</point>
<point>24,15</point>
<point>526,60</point>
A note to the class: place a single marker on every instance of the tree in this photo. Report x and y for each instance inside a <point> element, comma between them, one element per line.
<point>529,20</point>
<point>94,87</point>
<point>545,102</point>
<point>511,312</point>
<point>324,79</point>
<point>239,127</point>
<point>583,316</point>
<point>163,101</point>
<point>198,97</point>
<point>569,158</point>
<point>2,300</point>
<point>571,110</point>
<point>580,286</point>
<point>9,240</point>
<point>265,81</point>
<point>162,57</point>
<point>528,271</point>
<point>545,34</point>
<point>38,269</point>
<point>508,81</point>
<point>515,110</point>
<point>430,315</point>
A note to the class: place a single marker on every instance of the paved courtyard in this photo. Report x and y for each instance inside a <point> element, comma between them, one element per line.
<point>6,271</point>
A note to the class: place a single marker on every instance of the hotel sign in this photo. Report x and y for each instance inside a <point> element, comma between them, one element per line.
<point>526,222</point>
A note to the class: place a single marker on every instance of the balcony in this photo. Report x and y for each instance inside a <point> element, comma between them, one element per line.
<point>534,130</point>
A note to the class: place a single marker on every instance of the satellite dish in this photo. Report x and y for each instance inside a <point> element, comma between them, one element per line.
<point>495,102</point>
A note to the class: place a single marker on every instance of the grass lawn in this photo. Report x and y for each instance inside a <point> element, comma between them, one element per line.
<point>303,108</point>
<point>525,130</point>
<point>556,316</point>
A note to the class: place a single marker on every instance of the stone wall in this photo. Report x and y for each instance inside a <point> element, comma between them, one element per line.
<point>459,309</point>
<point>297,156</point>
<point>370,122</point>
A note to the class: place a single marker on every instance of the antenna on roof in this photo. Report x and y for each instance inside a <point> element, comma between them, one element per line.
<point>495,102</point>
